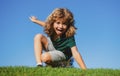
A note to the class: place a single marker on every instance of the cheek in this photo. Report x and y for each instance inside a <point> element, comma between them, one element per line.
<point>65,28</point>
<point>55,25</point>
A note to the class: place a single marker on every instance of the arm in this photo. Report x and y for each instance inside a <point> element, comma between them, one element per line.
<point>35,20</point>
<point>78,57</point>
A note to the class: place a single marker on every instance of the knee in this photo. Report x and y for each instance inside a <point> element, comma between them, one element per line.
<point>46,58</point>
<point>38,36</point>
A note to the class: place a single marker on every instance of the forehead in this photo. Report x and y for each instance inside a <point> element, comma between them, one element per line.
<point>62,20</point>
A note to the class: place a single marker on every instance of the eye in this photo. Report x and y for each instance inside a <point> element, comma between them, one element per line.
<point>57,22</point>
<point>65,24</point>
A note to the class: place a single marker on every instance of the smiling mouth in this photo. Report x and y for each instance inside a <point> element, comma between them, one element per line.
<point>59,30</point>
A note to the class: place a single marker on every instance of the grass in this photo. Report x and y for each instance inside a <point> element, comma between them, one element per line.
<point>48,71</point>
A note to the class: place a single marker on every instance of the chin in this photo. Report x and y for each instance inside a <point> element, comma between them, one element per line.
<point>58,34</point>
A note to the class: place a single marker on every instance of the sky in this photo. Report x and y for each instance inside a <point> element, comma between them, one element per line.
<point>97,36</point>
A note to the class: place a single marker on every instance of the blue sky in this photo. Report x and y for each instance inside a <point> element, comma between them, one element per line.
<point>97,38</point>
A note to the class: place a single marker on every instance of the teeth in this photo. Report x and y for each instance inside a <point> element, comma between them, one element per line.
<point>59,29</point>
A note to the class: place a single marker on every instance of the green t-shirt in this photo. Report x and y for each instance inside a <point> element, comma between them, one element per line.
<point>64,45</point>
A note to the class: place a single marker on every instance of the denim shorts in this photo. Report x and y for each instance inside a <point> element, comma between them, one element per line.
<point>55,54</point>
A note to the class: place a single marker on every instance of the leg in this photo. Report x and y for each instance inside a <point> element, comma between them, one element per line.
<point>40,41</point>
<point>52,58</point>
<point>46,58</point>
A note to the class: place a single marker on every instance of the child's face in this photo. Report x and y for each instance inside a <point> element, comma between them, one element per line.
<point>59,27</point>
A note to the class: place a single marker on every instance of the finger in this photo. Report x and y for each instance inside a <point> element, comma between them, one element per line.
<point>30,18</point>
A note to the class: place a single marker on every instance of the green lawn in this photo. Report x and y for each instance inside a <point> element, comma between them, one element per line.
<point>48,71</point>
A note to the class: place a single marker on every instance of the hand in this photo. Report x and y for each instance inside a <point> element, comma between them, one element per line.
<point>33,18</point>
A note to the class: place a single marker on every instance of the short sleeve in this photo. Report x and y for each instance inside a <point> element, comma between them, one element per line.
<point>71,42</point>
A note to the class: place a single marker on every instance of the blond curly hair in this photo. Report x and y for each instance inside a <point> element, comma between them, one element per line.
<point>66,16</point>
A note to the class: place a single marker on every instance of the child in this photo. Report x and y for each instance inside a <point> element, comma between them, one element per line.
<point>60,44</point>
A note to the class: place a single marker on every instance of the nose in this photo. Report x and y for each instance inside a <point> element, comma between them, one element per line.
<point>60,25</point>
